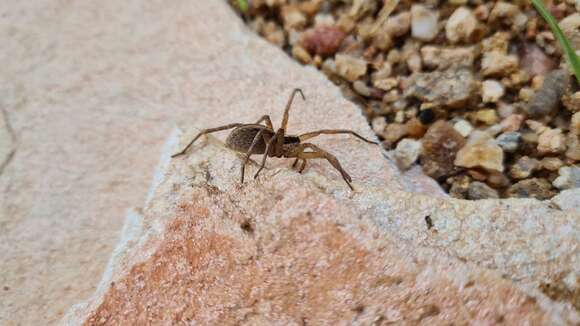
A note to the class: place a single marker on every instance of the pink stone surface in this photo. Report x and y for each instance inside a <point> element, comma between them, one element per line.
<point>289,249</point>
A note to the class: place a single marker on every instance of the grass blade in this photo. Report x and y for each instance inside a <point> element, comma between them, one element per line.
<point>568,50</point>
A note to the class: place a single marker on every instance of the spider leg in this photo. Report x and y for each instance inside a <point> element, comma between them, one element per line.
<point>313,134</point>
<point>302,166</point>
<point>268,121</point>
<point>288,105</point>
<point>295,162</point>
<point>266,153</point>
<point>249,152</point>
<point>318,153</point>
<point>206,131</point>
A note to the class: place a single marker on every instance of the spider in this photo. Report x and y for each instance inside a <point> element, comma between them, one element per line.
<point>255,138</point>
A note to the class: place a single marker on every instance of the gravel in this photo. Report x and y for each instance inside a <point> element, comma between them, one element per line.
<point>457,69</point>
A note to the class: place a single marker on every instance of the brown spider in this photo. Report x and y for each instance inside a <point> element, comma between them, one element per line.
<point>254,138</point>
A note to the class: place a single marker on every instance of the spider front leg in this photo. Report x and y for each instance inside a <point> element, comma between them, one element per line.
<point>206,131</point>
<point>271,142</point>
<point>313,134</point>
<point>249,152</point>
<point>318,153</point>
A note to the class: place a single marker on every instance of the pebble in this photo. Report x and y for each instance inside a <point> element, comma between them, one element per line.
<point>414,63</point>
<point>415,129</point>
<point>572,102</point>
<point>463,127</point>
<point>547,99</point>
<point>293,18</point>
<point>509,13</point>
<point>383,72</point>
<point>424,23</point>
<point>379,124</point>
<point>509,141</point>
<point>407,153</point>
<point>301,54</point>
<point>551,141</point>
<point>394,132</point>
<point>479,190</point>
<point>461,25</point>
<point>524,167</point>
<point>329,67</point>
<point>534,61</point>
<point>361,88</point>
<point>491,91</point>
<point>274,34</point>
<point>498,42</point>
<point>526,94</point>
<point>443,58</point>
<point>481,153</point>
<point>575,124</point>
<point>350,67</point>
<point>536,126</point>
<point>386,84</point>
<point>324,20</point>
<point>569,178</point>
<point>398,25</point>
<point>459,186</point>
<point>495,63</point>
<point>451,88</point>
<point>493,130</point>
<point>568,200</point>
<point>536,188</point>
<point>440,146</point>
<point>512,122</point>
<point>498,180</point>
<point>323,40</point>
<point>570,26</point>
<point>504,110</point>
<point>573,144</point>
<point>487,116</point>
<point>551,163</point>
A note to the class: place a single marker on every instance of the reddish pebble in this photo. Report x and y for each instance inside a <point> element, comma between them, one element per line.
<point>323,40</point>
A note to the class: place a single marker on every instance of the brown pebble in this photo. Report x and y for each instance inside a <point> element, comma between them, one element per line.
<point>394,132</point>
<point>540,189</point>
<point>498,180</point>
<point>440,146</point>
<point>477,175</point>
<point>415,129</point>
<point>551,163</point>
<point>573,144</point>
<point>479,190</point>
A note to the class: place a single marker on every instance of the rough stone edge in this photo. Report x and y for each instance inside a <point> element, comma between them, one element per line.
<point>132,235</point>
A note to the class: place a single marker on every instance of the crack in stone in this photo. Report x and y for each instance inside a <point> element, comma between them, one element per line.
<point>13,144</point>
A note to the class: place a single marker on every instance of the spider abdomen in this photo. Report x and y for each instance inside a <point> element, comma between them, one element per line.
<point>241,138</point>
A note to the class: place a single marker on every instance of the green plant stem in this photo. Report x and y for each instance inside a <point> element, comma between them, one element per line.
<point>568,50</point>
<point>243,5</point>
